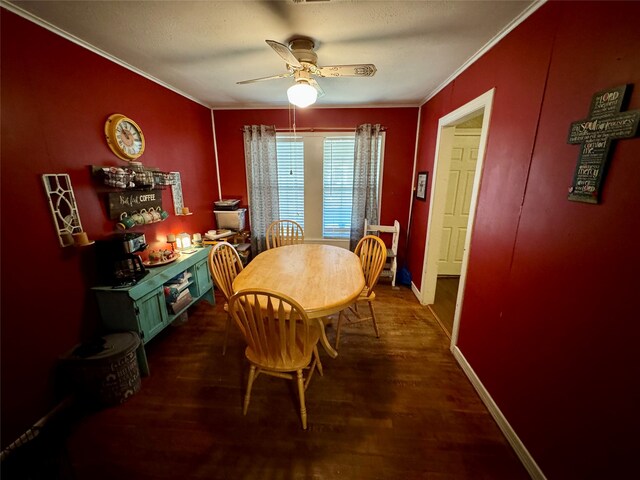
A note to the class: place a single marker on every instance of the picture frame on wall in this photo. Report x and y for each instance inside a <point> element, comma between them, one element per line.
<point>421,187</point>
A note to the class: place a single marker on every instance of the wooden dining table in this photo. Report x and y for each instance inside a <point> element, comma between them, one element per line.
<point>323,279</point>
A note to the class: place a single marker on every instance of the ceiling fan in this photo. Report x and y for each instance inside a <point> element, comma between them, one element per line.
<point>301,62</point>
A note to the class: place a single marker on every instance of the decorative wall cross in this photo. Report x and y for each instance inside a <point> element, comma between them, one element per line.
<point>606,123</point>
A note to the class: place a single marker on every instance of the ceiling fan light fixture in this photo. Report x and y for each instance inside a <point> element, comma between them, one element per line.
<point>302,94</point>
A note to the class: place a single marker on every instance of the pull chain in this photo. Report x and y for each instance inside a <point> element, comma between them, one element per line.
<point>295,137</point>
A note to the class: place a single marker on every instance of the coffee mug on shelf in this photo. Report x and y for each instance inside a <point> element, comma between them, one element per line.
<point>146,215</point>
<point>155,214</point>
<point>138,218</point>
<point>126,222</point>
<point>163,214</point>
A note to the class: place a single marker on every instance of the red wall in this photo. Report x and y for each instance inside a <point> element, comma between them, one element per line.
<point>56,97</point>
<point>548,321</point>
<point>400,126</point>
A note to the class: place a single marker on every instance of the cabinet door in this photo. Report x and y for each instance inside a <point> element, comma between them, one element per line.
<point>203,277</point>
<point>152,313</point>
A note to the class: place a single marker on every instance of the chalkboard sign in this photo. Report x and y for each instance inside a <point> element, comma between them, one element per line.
<point>595,135</point>
<point>132,201</point>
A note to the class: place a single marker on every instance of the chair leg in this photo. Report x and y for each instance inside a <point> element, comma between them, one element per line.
<point>303,407</point>
<point>247,395</point>
<point>314,363</point>
<point>319,363</point>
<point>226,334</point>
<point>338,329</point>
<point>373,317</point>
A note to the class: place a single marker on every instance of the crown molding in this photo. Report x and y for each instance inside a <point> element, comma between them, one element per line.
<point>72,38</point>
<point>526,13</point>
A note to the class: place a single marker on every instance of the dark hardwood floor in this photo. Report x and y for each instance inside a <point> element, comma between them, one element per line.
<point>397,407</point>
<point>444,305</point>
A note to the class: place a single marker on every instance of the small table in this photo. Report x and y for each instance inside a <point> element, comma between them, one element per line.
<point>323,279</point>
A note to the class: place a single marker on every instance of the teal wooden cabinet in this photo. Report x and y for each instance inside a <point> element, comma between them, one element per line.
<point>142,308</point>
<point>202,277</point>
<point>152,315</point>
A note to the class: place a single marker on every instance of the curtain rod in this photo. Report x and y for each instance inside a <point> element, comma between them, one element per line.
<point>318,129</point>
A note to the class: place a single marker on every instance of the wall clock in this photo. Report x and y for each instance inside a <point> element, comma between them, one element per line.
<point>124,137</point>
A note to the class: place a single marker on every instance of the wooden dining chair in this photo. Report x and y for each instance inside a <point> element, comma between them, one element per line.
<point>281,339</point>
<point>284,232</point>
<point>372,252</point>
<point>225,265</point>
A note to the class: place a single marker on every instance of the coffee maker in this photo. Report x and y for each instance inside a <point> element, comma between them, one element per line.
<point>118,264</point>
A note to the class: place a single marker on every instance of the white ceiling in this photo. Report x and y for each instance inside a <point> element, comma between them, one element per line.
<point>202,48</point>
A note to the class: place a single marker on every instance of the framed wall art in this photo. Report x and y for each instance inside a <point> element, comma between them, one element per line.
<point>421,188</point>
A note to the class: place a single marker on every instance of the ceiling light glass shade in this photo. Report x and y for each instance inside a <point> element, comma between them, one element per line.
<point>302,95</point>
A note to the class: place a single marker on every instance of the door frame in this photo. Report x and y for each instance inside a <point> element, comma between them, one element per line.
<point>440,180</point>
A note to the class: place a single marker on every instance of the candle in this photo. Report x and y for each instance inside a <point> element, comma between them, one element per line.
<point>80,238</point>
<point>185,210</point>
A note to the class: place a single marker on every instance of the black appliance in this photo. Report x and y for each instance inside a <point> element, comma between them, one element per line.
<point>118,264</point>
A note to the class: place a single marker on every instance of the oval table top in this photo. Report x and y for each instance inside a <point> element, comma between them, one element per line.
<point>324,279</point>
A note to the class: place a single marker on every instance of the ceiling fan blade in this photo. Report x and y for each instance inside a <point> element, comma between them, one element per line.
<point>272,77</point>
<point>360,70</point>
<point>284,53</point>
<point>315,85</point>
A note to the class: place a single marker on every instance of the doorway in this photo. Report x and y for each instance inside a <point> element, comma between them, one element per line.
<point>461,174</point>
<point>456,183</point>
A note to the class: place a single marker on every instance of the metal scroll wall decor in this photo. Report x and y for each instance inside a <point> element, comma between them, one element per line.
<point>595,135</point>
<point>176,192</point>
<point>63,206</point>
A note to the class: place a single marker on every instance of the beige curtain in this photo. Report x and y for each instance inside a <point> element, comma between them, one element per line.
<point>262,178</point>
<point>365,180</point>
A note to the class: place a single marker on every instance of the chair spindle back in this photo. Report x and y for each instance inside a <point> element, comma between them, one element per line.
<point>373,254</point>
<point>224,265</point>
<point>284,232</point>
<point>275,327</point>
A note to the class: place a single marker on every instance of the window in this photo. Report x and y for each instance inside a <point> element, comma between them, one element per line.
<point>290,155</point>
<point>337,191</point>
<point>315,182</point>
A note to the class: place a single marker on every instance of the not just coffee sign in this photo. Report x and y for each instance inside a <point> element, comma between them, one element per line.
<point>132,201</point>
<point>596,134</point>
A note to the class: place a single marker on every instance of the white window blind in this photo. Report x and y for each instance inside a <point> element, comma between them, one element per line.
<point>337,190</point>
<point>290,157</point>
<point>315,183</point>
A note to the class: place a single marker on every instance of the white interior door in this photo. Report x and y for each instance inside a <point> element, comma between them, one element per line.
<point>464,156</point>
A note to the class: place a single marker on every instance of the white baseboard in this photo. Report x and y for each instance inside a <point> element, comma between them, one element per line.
<point>513,439</point>
<point>33,431</point>
<point>416,292</point>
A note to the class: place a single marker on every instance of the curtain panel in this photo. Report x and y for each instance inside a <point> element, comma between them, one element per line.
<point>262,179</point>
<point>365,180</point>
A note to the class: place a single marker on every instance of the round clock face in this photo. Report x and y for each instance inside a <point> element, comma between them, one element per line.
<point>124,137</point>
